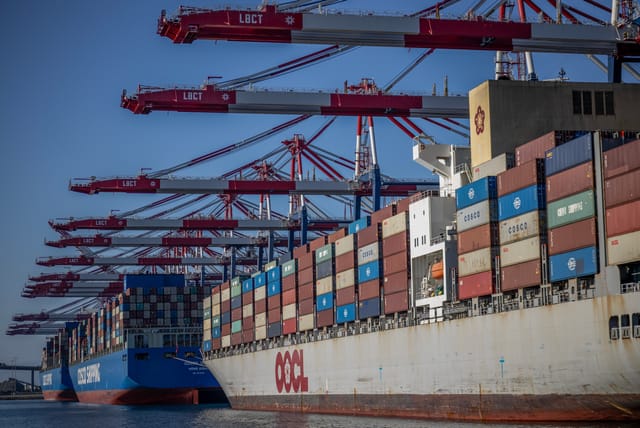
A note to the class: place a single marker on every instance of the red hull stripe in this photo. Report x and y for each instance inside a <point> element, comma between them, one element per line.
<point>140,396</point>
<point>60,395</point>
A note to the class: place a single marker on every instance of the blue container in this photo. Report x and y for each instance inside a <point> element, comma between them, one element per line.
<point>324,301</point>
<point>274,329</point>
<point>369,308</point>
<point>521,201</point>
<point>236,302</point>
<point>358,225</point>
<point>274,274</point>
<point>260,280</point>
<point>206,345</point>
<point>148,281</point>
<point>247,285</point>
<point>478,191</point>
<point>369,271</point>
<point>273,288</point>
<point>346,313</point>
<point>215,332</point>
<point>225,318</point>
<point>567,155</point>
<point>573,264</point>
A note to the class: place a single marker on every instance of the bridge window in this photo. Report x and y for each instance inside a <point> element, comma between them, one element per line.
<point>625,326</point>
<point>604,103</point>
<point>582,102</point>
<point>614,324</point>
<point>635,323</point>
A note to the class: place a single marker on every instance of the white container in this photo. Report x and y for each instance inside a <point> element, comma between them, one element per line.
<point>225,295</point>
<point>477,215</point>
<point>215,310</point>
<point>289,311</point>
<point>344,245</point>
<point>226,341</point>
<point>260,293</point>
<point>368,253</point>
<point>493,166</point>
<point>261,332</point>
<point>476,261</point>
<point>623,248</point>
<point>345,279</point>
<point>324,285</point>
<point>305,322</point>
<point>261,319</point>
<point>520,251</point>
<point>395,224</point>
<point>247,311</point>
<point>521,227</point>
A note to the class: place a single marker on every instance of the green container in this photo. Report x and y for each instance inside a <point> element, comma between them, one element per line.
<point>236,326</point>
<point>236,290</point>
<point>289,268</point>
<point>570,209</point>
<point>207,313</point>
<point>324,253</point>
<point>236,281</point>
<point>215,321</point>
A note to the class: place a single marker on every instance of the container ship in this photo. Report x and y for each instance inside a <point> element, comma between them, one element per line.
<point>142,347</point>
<point>513,294</point>
<point>54,374</point>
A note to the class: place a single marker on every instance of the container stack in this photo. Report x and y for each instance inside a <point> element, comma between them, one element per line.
<point>248,325</point>
<point>369,270</point>
<point>622,203</point>
<point>494,166</point>
<point>325,285</point>
<point>522,230</point>
<point>397,272</point>
<point>216,324</point>
<point>236,311</point>
<point>306,275</point>
<point>289,296</point>
<point>476,217</point>
<point>345,256</point>
<point>274,302</point>
<point>571,210</point>
<point>260,304</point>
<point>225,317</point>
<point>207,344</point>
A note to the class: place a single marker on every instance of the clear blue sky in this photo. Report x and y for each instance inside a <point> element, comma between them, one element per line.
<point>64,67</point>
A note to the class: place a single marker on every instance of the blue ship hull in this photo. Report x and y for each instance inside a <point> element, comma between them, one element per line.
<point>56,384</point>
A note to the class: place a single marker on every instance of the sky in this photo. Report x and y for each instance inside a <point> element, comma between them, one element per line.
<point>65,65</point>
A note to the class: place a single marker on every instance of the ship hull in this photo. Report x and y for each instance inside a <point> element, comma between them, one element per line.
<point>57,385</point>
<point>143,376</point>
<point>549,363</point>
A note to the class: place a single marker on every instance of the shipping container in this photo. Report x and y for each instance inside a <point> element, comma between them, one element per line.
<point>226,341</point>
<point>368,253</point>
<point>622,189</point>
<point>305,307</point>
<point>623,249</point>
<point>317,243</point>
<point>260,280</point>
<point>395,224</point>
<point>474,239</point>
<point>395,263</point>
<point>369,235</point>
<point>273,274</point>
<point>305,276</point>
<point>274,329</point>
<point>479,284</point>
<point>273,289</point>
<point>521,227</point>
<point>247,311</point>
<point>346,295</point>
<point>346,261</point>
<point>259,293</point>
<point>476,215</point>
<point>396,282</point>
<point>344,245</point>
<point>369,308</point>
<point>306,322</point>
<point>289,326</point>
<point>520,251</point>
<point>324,318</point>
<point>261,332</point>
<point>324,301</point>
<point>324,269</point>
<point>288,297</point>
<point>338,234</point>
<point>289,268</point>
<point>261,319</point>
<point>360,224</point>
<point>569,182</point>
<point>289,282</point>
<point>274,315</point>
<point>248,335</point>
<point>522,176</point>
<point>395,244</point>
<point>572,236</point>
<point>247,285</point>
<point>289,311</point>
<point>248,323</point>
<point>396,302</point>
<point>477,191</point>
<point>369,271</point>
<point>345,279</point>
<point>572,153</point>
<point>383,213</point>
<point>535,149</point>
<point>623,218</point>
<point>403,204</point>
<point>236,338</point>
<point>236,302</point>
<point>305,291</point>
<point>622,159</point>
<point>570,209</point>
<point>573,264</point>
<point>300,251</point>
<point>521,201</point>
<point>324,285</point>
<point>369,289</point>
<point>274,302</point>
<point>477,261</point>
<point>260,305</point>
<point>346,313</point>
<point>494,166</point>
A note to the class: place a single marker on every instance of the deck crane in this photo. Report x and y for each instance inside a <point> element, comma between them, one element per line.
<point>138,261</point>
<point>50,322</point>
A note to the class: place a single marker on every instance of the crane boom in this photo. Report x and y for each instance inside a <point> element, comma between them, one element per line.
<point>167,241</point>
<point>271,25</point>
<point>140,261</point>
<point>209,98</point>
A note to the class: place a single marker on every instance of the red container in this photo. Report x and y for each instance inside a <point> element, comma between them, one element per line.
<point>216,343</point>
<point>569,182</point>
<point>393,263</point>
<point>317,243</point>
<point>622,159</point>
<point>340,233</point>
<point>248,336</point>
<point>288,297</point>
<point>305,292</point>
<point>403,204</point>
<point>236,314</point>
<point>247,298</point>
<point>572,236</point>
<point>396,282</point>
<point>236,338</point>
<point>300,251</point>
<point>346,261</point>
<point>522,275</point>
<point>479,284</point>
<point>225,306</point>
<point>289,282</point>
<point>522,176</point>
<point>623,218</point>
<point>479,237</point>
<point>369,235</point>
<point>346,295</point>
<point>274,302</point>
<point>535,149</point>
<point>225,285</point>
<point>260,306</point>
<point>274,315</point>
<point>305,261</point>
<point>305,276</point>
<point>247,323</point>
<point>225,329</point>
<point>395,243</point>
<point>289,326</point>
<point>324,318</point>
<point>368,290</point>
<point>383,214</point>
<point>622,188</point>
<point>305,307</point>
<point>396,302</point>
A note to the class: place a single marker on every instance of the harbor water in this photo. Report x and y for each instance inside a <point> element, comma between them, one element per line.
<point>39,413</point>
